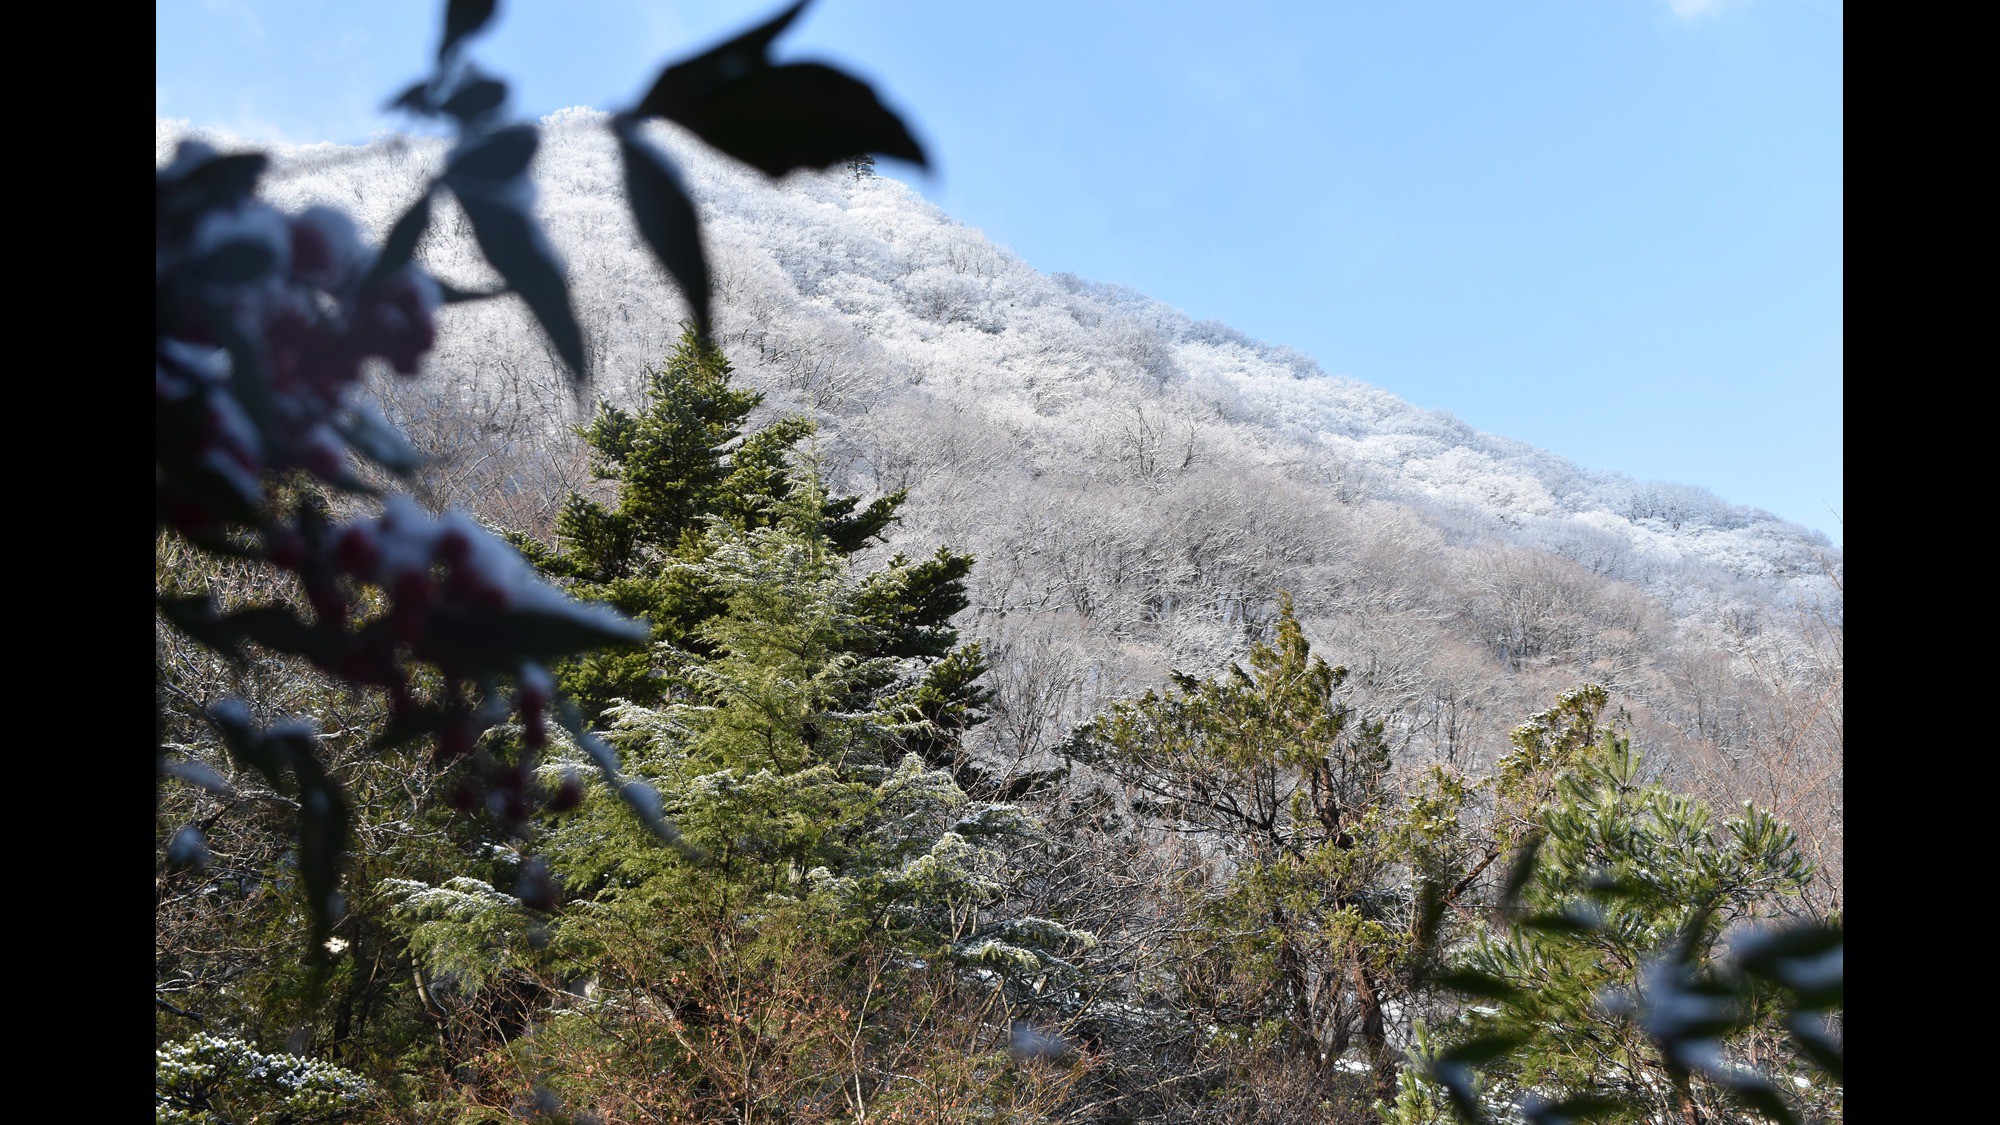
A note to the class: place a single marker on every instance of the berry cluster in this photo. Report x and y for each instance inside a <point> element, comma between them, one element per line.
<point>299,302</point>
<point>265,325</point>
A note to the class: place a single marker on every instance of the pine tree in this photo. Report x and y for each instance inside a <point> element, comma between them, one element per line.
<point>802,720</point>
<point>1610,985</point>
<point>1312,928</point>
<point>690,473</point>
<point>823,866</point>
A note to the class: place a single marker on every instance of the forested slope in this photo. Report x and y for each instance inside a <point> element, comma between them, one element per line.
<point>989,760</point>
<point>1137,485</point>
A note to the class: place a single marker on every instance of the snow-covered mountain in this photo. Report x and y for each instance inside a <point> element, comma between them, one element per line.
<point>1137,484</point>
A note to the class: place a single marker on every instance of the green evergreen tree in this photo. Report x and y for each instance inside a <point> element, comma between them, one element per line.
<point>213,1080</point>
<point>690,473</point>
<point>1609,989</point>
<point>819,856</point>
<point>1313,925</point>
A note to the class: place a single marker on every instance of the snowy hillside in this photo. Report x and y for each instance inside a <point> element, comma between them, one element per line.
<point>1137,484</point>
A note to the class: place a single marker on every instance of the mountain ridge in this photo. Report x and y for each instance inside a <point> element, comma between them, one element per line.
<point>1139,485</point>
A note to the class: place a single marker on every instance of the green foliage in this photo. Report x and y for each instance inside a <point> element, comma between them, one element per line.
<point>780,742</point>
<point>212,1080</point>
<point>1606,990</point>
<point>1312,922</point>
<point>680,548</point>
<point>839,928</point>
<point>1418,1100</point>
<point>669,461</point>
<point>812,834</point>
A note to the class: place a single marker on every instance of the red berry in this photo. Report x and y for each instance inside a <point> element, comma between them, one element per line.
<point>453,547</point>
<point>537,888</point>
<point>569,794</point>
<point>312,255</point>
<point>513,778</point>
<point>357,552</point>
<point>514,808</point>
<point>287,549</point>
<point>193,521</point>
<point>326,600</point>
<point>323,456</point>
<point>455,740</point>
<point>413,590</point>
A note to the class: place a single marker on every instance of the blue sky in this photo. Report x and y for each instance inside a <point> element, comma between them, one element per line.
<point>1611,228</point>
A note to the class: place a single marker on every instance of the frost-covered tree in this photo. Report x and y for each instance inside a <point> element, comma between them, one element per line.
<point>1010,403</point>
<point>214,1080</point>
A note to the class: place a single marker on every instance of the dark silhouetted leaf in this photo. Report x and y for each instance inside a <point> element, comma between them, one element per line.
<point>188,850</point>
<point>1460,1089</point>
<point>452,295</point>
<point>1483,1050</point>
<point>346,481</point>
<point>228,179</point>
<point>1582,1107</point>
<point>776,118</point>
<point>247,746</point>
<point>1813,1041</point>
<point>1818,984</point>
<point>1759,1095</point>
<point>514,245</point>
<point>218,182</point>
<point>402,240</point>
<point>246,373</point>
<point>1430,909</point>
<point>1607,885</point>
<point>211,477</point>
<point>500,641</point>
<point>409,726</point>
<point>415,99</point>
<point>476,99</point>
<point>199,618</point>
<point>322,837</point>
<point>1521,870</point>
<point>1477,984</point>
<point>196,773</point>
<point>1759,950</point>
<point>463,18</point>
<point>498,156</point>
<point>1566,922</point>
<point>274,627</point>
<point>805,115</point>
<point>234,263</point>
<point>692,79</point>
<point>1807,959</point>
<point>666,218</point>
